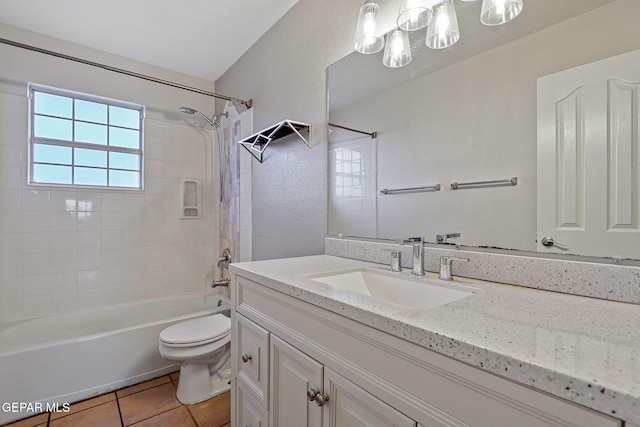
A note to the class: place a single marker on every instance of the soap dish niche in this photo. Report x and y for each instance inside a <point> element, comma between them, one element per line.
<point>190,199</point>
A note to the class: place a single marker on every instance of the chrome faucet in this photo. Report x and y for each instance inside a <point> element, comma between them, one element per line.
<point>396,260</point>
<point>443,237</point>
<point>225,259</point>
<point>445,266</point>
<point>418,258</point>
<point>223,264</point>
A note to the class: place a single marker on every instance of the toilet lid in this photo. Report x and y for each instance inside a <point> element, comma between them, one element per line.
<point>207,328</point>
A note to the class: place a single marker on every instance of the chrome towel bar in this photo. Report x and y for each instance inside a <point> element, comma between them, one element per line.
<point>411,190</point>
<point>497,183</point>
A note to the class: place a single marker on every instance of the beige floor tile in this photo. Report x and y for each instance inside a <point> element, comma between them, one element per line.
<point>36,420</point>
<point>105,415</point>
<point>178,417</point>
<point>214,412</point>
<point>143,386</point>
<point>175,377</point>
<point>85,404</point>
<point>145,404</point>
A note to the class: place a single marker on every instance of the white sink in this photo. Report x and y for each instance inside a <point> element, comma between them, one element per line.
<point>409,293</point>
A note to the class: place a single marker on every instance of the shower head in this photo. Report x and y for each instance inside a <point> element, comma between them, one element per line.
<point>212,121</point>
<point>187,110</point>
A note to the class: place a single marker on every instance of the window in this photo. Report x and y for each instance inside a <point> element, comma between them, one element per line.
<point>84,140</point>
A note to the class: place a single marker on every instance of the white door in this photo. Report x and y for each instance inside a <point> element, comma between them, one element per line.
<point>351,406</point>
<point>292,374</point>
<point>589,159</point>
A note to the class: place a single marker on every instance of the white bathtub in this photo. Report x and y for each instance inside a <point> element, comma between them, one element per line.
<point>69,357</point>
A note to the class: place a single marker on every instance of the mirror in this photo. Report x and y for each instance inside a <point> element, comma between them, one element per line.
<point>463,114</point>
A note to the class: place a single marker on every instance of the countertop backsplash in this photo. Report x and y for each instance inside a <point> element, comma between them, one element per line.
<point>591,279</point>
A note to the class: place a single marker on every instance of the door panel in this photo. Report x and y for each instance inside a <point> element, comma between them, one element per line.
<point>589,158</point>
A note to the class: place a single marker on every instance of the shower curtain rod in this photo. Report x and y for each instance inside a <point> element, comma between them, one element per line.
<point>121,71</point>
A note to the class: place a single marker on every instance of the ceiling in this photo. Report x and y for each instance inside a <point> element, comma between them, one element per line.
<point>202,38</point>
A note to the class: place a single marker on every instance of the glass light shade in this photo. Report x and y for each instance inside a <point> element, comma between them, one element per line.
<point>367,38</point>
<point>414,14</point>
<point>443,31</point>
<point>397,52</point>
<point>496,12</point>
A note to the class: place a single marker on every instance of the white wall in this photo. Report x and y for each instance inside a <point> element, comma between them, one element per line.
<point>63,249</point>
<point>285,75</point>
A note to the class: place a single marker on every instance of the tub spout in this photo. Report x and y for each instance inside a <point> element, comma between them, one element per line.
<point>221,282</point>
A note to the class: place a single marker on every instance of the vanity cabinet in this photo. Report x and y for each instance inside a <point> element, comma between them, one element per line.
<point>366,377</point>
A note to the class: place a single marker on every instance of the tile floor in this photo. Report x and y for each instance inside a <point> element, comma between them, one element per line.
<point>149,404</point>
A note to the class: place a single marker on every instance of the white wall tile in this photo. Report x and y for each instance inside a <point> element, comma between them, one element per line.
<point>36,264</point>
<point>89,279</point>
<point>64,241</point>
<point>11,287</point>
<point>36,221</point>
<point>36,242</point>
<point>64,221</point>
<point>11,221</point>
<point>89,201</point>
<point>64,261</point>
<point>64,282</point>
<point>11,243</point>
<point>63,201</point>
<point>39,284</point>
<point>11,265</point>
<point>10,200</point>
<point>36,200</point>
<point>112,201</point>
<point>89,221</point>
<point>10,309</point>
<point>36,306</point>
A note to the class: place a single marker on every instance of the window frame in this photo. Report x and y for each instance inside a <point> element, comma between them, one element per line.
<point>74,95</point>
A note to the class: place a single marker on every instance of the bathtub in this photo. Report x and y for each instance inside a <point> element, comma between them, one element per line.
<point>69,357</point>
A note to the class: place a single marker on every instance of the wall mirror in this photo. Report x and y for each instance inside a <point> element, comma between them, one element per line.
<point>463,114</point>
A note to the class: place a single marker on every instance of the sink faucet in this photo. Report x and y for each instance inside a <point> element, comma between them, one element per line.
<point>418,258</point>
<point>445,266</point>
<point>443,237</point>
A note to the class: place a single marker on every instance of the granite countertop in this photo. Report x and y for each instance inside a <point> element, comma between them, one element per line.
<point>581,349</point>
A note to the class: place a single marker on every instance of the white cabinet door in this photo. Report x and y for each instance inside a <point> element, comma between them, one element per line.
<point>292,374</point>
<point>589,158</point>
<point>249,412</point>
<point>351,406</point>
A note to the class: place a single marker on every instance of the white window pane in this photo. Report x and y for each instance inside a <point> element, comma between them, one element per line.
<point>49,174</point>
<point>84,157</point>
<point>43,153</point>
<point>52,105</point>
<point>90,176</point>
<point>47,127</point>
<point>124,138</point>
<point>87,132</point>
<point>124,161</point>
<point>124,179</point>
<point>124,117</point>
<point>91,111</point>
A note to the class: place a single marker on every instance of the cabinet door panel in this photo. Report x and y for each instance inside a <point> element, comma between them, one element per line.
<point>249,411</point>
<point>292,374</point>
<point>252,358</point>
<point>351,406</point>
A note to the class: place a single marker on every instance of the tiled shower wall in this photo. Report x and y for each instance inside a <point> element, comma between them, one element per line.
<point>63,249</point>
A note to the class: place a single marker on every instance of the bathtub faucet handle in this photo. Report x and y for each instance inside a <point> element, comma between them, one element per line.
<point>225,259</point>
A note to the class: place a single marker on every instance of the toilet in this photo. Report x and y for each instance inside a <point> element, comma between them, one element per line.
<point>203,347</point>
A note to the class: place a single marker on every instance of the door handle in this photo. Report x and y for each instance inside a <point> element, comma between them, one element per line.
<point>548,242</point>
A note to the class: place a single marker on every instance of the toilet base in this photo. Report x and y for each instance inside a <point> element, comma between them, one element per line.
<point>197,384</point>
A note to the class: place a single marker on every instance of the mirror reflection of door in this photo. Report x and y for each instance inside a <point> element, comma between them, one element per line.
<point>589,156</point>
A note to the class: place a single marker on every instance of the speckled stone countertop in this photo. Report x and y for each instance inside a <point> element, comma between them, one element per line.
<point>585,350</point>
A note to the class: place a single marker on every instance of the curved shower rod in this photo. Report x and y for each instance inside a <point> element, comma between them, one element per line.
<point>126,72</point>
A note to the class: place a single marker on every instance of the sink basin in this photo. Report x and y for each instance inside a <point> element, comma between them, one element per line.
<point>409,293</point>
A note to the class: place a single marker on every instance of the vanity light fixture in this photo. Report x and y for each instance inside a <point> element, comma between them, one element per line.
<point>397,51</point>
<point>438,15</point>
<point>368,39</point>
<point>443,31</point>
<point>497,12</point>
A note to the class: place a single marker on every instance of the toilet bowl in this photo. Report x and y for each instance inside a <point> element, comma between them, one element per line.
<point>203,347</point>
